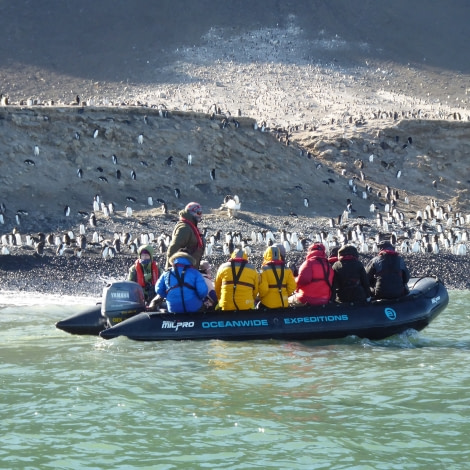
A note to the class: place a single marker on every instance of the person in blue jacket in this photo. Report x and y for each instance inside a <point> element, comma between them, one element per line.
<point>182,286</point>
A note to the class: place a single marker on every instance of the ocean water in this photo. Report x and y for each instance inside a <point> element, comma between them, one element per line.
<point>80,402</point>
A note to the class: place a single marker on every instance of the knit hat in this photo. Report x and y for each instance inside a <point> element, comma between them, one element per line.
<point>194,209</point>
<point>348,250</point>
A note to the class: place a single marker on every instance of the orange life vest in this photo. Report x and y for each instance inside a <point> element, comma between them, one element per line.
<point>139,270</point>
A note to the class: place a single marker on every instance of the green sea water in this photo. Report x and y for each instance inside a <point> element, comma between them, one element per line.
<point>80,402</point>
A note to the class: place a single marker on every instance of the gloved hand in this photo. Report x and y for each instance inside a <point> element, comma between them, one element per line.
<point>155,303</point>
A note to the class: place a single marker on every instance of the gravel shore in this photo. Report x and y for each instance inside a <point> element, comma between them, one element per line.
<point>26,272</point>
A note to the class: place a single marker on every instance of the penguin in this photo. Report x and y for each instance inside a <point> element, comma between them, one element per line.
<point>140,139</point>
<point>67,211</point>
<point>39,248</point>
<point>77,136</point>
<point>92,220</point>
<point>128,211</point>
<point>80,173</point>
<point>36,150</point>
<point>114,158</point>
<point>95,239</point>
<point>169,160</point>
<point>306,201</point>
<point>103,178</point>
<point>133,175</point>
<point>66,239</point>
<point>81,242</point>
<point>144,163</point>
<point>150,201</point>
<point>130,199</point>
<point>177,193</point>
<point>30,162</point>
<point>213,174</point>
<point>95,133</point>
<point>104,251</point>
<point>118,174</point>
<point>190,159</point>
<point>117,245</point>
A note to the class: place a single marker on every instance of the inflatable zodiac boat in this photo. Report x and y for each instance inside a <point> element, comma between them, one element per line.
<point>122,313</point>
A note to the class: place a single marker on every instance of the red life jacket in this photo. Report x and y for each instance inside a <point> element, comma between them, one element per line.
<point>318,289</point>
<point>139,270</point>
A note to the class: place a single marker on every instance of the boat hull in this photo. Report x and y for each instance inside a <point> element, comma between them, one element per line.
<point>87,322</point>
<point>377,320</point>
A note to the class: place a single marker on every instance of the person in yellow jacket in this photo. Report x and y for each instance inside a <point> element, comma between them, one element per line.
<point>277,281</point>
<point>236,283</point>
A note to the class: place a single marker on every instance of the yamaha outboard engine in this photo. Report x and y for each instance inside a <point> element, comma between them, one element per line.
<point>122,300</point>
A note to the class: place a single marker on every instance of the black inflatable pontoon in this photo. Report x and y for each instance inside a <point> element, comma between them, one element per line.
<point>120,300</point>
<point>428,297</point>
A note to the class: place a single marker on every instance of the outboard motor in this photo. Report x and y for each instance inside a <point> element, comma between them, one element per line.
<point>122,300</point>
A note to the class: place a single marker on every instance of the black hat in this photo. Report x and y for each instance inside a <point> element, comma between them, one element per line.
<point>348,250</point>
<point>385,245</point>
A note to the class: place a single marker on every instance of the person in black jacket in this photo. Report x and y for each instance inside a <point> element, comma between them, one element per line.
<point>388,274</point>
<point>350,281</point>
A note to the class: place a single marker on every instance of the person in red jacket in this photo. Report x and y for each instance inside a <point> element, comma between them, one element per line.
<point>315,279</point>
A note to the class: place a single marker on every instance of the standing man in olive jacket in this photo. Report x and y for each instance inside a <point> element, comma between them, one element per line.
<point>186,235</point>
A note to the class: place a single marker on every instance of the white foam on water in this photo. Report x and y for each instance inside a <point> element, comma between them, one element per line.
<point>29,298</point>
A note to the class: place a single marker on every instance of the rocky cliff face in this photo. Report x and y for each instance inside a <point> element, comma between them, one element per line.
<point>53,158</point>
